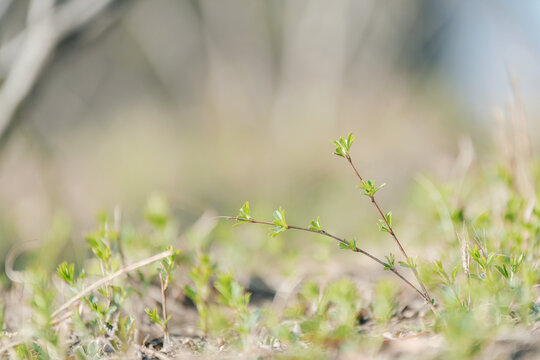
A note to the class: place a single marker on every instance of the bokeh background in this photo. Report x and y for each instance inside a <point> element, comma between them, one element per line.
<point>212,103</point>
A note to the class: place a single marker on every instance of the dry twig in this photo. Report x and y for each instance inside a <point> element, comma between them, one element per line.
<point>108,279</point>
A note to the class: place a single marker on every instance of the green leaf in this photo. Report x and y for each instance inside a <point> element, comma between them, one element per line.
<point>276,230</point>
<point>339,149</point>
<point>279,217</point>
<point>350,245</point>
<point>410,263</point>
<point>388,218</point>
<point>190,293</point>
<point>516,262</point>
<point>279,222</point>
<point>166,320</point>
<point>478,277</point>
<point>379,187</point>
<point>350,140</point>
<point>154,316</point>
<point>245,213</point>
<point>382,226</point>
<point>503,270</point>
<point>391,260</point>
<point>454,272</point>
<point>316,224</point>
<point>168,263</point>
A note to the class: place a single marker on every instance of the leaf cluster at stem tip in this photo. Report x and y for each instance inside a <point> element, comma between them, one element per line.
<point>343,145</point>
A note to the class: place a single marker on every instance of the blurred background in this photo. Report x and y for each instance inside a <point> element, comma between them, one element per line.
<point>212,103</point>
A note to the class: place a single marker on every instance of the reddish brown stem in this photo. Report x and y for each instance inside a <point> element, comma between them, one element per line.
<point>340,240</point>
<point>426,294</point>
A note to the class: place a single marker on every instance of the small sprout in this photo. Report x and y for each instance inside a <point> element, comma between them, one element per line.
<point>390,261</point>
<point>201,290</point>
<point>351,245</point>
<point>316,224</point>
<point>503,270</point>
<point>516,262</point>
<point>343,145</point>
<point>125,331</point>
<point>156,319</point>
<point>383,224</point>
<point>153,315</point>
<point>508,272</point>
<point>67,273</point>
<point>279,222</point>
<point>484,261</point>
<point>168,263</point>
<point>447,280</point>
<point>234,296</point>
<point>100,246</point>
<point>369,188</point>
<point>231,292</point>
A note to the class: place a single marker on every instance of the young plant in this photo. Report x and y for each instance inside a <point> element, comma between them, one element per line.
<point>106,326</point>
<point>326,317</point>
<point>233,296</point>
<point>166,267</point>
<point>279,223</point>
<point>199,293</point>
<point>343,147</point>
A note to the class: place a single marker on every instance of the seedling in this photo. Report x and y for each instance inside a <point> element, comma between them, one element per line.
<point>343,146</point>
<point>199,293</point>
<point>385,224</point>
<point>233,295</point>
<point>166,267</point>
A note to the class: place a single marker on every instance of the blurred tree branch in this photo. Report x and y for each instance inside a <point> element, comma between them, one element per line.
<point>23,58</point>
<point>4,6</point>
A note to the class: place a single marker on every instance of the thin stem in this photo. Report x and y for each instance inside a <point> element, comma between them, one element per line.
<point>427,296</point>
<point>340,240</point>
<point>164,286</point>
<point>117,227</point>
